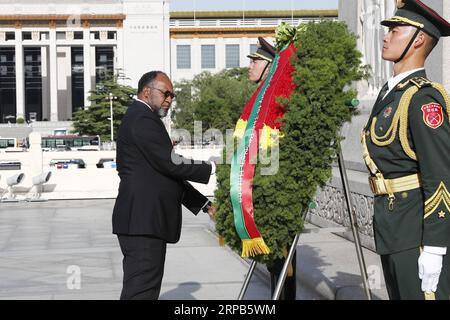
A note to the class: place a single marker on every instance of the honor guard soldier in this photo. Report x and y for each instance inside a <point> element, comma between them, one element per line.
<point>407,151</point>
<point>260,62</point>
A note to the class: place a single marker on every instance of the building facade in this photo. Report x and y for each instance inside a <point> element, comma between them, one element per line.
<point>52,55</point>
<point>216,40</point>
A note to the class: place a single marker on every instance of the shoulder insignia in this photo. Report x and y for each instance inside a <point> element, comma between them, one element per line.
<point>432,115</point>
<point>421,82</point>
<point>402,85</point>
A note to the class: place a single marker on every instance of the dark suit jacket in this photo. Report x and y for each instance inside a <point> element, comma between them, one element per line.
<point>153,179</point>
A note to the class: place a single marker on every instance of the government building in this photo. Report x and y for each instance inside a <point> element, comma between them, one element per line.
<point>52,55</point>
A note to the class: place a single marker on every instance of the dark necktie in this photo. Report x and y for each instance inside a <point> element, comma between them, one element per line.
<point>383,91</point>
<point>377,105</point>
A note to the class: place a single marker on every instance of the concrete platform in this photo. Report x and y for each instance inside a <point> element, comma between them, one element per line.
<point>64,250</point>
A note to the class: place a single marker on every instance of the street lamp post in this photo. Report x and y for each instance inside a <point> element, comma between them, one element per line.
<point>111,115</point>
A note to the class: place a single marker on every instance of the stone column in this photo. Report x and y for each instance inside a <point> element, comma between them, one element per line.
<point>92,66</point>
<point>87,64</point>
<point>119,50</point>
<point>196,57</point>
<point>53,75</point>
<point>166,35</point>
<point>245,51</point>
<point>36,151</point>
<point>20,76</point>
<point>220,53</point>
<point>45,84</point>
<point>36,156</point>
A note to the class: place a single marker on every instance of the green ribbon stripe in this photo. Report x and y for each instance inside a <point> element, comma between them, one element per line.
<point>235,174</point>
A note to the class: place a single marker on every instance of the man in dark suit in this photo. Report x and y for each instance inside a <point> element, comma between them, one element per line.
<point>153,186</point>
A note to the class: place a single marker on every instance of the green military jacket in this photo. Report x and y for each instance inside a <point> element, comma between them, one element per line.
<point>420,216</point>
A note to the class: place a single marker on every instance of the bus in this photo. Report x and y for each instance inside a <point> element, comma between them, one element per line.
<point>8,143</point>
<point>71,142</point>
<point>11,145</point>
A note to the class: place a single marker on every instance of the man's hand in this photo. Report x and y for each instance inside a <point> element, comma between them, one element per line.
<point>175,142</point>
<point>212,212</point>
<point>214,162</point>
<point>430,265</point>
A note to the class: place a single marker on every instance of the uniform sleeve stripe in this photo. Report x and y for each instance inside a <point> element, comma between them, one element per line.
<point>441,195</point>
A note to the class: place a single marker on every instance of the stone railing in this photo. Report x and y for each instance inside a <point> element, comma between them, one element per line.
<point>332,209</point>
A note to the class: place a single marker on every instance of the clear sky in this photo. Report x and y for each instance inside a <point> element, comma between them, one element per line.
<point>201,5</point>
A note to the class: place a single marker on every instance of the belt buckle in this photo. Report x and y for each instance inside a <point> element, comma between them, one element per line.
<point>373,185</point>
<point>377,185</point>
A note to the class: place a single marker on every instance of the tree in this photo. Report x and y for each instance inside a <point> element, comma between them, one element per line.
<point>326,63</point>
<point>214,99</point>
<point>95,120</point>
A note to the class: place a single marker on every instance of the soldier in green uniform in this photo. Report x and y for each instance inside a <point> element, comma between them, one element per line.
<point>258,70</point>
<point>407,151</point>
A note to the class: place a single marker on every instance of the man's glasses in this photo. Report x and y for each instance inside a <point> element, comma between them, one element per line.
<point>165,93</point>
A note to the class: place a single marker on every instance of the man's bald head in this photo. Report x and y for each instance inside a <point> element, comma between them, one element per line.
<point>156,89</point>
<point>147,79</point>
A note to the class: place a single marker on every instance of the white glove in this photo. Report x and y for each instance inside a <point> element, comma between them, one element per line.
<point>430,265</point>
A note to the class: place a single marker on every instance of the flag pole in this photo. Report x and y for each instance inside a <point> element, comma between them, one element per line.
<point>195,8</point>
<point>247,280</point>
<point>292,12</point>
<point>354,226</point>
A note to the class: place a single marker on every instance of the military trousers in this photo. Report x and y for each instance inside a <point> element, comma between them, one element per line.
<point>289,290</point>
<point>401,275</point>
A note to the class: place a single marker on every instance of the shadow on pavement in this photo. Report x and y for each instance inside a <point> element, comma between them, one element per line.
<point>182,292</point>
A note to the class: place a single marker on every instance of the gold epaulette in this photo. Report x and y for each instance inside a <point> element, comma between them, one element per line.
<point>400,120</point>
<point>420,82</point>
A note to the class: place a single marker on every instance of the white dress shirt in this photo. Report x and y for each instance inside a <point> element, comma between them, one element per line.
<point>394,81</point>
<point>137,99</point>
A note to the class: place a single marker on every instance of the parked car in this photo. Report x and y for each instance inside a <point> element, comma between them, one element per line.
<point>106,163</point>
<point>68,163</point>
<point>10,165</point>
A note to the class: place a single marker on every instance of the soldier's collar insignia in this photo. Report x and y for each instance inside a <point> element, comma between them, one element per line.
<point>432,115</point>
<point>441,214</point>
<point>387,112</point>
<point>402,85</point>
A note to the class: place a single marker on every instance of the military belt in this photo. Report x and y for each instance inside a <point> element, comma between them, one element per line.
<point>382,186</point>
